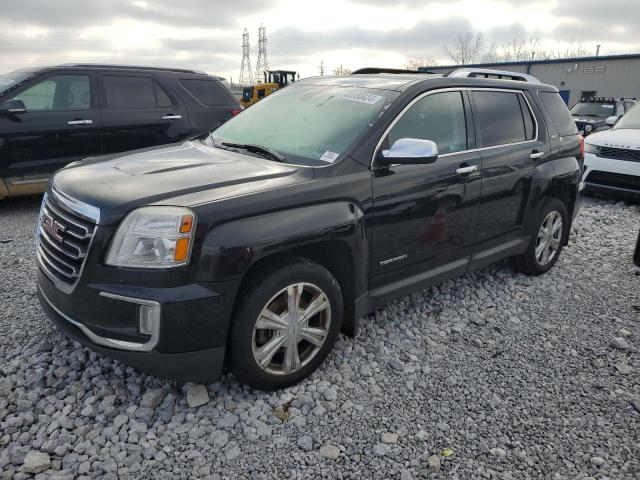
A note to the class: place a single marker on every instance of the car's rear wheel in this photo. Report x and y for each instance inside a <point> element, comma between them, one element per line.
<point>285,325</point>
<point>547,242</point>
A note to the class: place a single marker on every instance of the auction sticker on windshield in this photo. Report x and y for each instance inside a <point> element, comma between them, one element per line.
<point>361,97</point>
<point>329,156</point>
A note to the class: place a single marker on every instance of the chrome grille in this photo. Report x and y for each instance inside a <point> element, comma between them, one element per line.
<point>63,241</point>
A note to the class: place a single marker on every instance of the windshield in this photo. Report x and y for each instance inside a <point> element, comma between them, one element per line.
<point>8,80</point>
<point>594,109</point>
<point>308,124</point>
<point>630,120</point>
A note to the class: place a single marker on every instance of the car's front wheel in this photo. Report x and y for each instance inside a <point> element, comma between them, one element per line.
<point>285,325</point>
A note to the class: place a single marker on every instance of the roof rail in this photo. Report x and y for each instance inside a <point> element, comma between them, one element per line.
<point>368,70</point>
<point>494,74</point>
<point>131,67</point>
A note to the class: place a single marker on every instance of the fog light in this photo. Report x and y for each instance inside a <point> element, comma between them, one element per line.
<point>146,319</point>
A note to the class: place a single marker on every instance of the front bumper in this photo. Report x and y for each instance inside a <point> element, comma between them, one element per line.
<point>188,335</point>
<point>610,176</point>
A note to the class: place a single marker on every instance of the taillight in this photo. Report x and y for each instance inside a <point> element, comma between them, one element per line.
<point>235,111</point>
<point>581,146</point>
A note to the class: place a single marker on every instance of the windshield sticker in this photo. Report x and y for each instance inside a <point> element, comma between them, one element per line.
<point>329,156</point>
<point>607,106</point>
<point>368,98</point>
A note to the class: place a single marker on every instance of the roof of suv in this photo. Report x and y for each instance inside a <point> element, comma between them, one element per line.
<point>403,81</point>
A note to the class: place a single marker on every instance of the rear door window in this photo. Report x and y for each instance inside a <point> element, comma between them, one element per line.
<point>126,92</point>
<point>207,92</point>
<point>500,118</point>
<point>560,116</point>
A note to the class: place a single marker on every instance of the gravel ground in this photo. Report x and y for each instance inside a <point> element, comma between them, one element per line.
<point>495,375</point>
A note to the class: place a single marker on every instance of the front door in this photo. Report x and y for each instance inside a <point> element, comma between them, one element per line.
<point>422,223</point>
<point>138,112</point>
<point>60,125</point>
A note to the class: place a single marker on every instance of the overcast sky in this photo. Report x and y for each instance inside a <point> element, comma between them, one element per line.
<point>206,34</point>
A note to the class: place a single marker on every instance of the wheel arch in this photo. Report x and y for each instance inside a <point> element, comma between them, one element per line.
<point>332,235</point>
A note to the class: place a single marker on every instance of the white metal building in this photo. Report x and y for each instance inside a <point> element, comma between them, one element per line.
<point>606,76</point>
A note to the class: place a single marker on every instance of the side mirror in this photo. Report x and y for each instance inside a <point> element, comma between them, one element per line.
<point>611,121</point>
<point>13,107</point>
<point>410,151</point>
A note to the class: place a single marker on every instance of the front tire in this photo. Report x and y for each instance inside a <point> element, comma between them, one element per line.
<point>285,325</point>
<point>548,241</point>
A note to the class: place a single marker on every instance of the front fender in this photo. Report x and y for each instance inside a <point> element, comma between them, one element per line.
<point>230,249</point>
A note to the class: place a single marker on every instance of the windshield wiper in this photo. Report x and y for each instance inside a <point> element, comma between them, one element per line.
<point>259,149</point>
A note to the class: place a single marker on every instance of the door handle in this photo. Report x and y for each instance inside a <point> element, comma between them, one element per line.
<point>465,170</point>
<point>172,117</point>
<point>536,155</point>
<point>79,122</point>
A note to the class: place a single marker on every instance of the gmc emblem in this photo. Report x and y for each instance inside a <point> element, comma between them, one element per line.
<point>51,227</point>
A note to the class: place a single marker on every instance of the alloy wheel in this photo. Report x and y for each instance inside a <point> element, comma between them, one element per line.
<point>549,238</point>
<point>291,329</point>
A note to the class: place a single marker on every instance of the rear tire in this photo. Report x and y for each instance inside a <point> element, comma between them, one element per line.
<point>548,240</point>
<point>285,325</point>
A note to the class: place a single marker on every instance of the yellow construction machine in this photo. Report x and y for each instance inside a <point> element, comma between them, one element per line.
<point>273,80</point>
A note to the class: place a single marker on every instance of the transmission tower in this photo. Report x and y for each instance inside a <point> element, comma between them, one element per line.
<point>262,65</point>
<point>246,76</point>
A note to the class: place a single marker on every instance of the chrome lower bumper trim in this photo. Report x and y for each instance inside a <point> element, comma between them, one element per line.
<point>112,342</point>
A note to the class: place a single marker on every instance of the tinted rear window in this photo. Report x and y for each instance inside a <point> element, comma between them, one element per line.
<point>500,118</point>
<point>134,92</point>
<point>207,92</point>
<point>560,116</point>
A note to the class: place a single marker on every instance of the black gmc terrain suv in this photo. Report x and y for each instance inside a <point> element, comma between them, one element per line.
<point>252,247</point>
<point>52,116</point>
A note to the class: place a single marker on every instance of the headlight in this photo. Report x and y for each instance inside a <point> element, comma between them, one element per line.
<point>588,128</point>
<point>153,237</point>
<point>588,148</point>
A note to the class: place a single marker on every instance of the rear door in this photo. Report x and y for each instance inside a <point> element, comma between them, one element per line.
<point>61,124</point>
<point>138,112</point>
<point>511,148</point>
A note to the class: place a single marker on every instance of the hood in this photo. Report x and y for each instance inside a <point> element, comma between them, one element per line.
<point>628,138</point>
<point>117,184</point>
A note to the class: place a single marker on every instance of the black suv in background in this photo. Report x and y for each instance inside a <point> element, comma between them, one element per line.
<point>254,246</point>
<point>595,114</point>
<point>52,116</point>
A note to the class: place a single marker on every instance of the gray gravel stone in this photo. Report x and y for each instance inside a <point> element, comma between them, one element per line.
<point>197,395</point>
<point>153,397</point>
<point>596,461</point>
<point>381,450</point>
<point>389,437</point>
<point>620,343</point>
<point>305,442</point>
<point>433,461</point>
<point>329,451</point>
<point>36,462</point>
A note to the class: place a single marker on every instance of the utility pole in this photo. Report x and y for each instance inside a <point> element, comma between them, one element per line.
<point>262,65</point>
<point>321,68</point>
<point>246,76</point>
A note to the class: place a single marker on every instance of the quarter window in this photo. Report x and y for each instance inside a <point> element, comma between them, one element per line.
<point>560,116</point>
<point>58,93</point>
<point>438,117</point>
<point>134,92</point>
<point>500,118</point>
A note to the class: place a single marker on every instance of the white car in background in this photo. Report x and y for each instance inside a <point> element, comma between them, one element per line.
<point>612,158</point>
